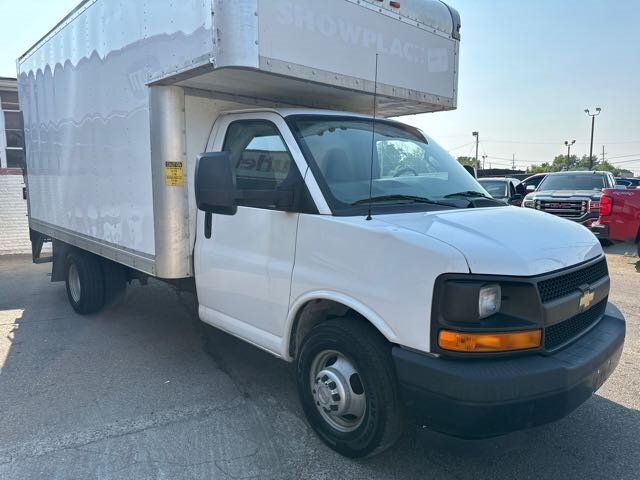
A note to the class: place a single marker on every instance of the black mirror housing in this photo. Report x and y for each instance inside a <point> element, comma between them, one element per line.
<point>215,184</point>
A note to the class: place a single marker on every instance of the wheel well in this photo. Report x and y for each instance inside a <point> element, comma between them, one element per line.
<point>313,313</point>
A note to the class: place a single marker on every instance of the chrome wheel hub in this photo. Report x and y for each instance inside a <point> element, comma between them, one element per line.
<point>74,282</point>
<point>337,391</point>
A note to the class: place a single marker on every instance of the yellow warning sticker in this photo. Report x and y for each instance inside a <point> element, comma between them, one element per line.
<point>173,174</point>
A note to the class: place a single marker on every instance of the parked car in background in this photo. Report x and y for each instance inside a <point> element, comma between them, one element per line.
<point>507,190</point>
<point>628,182</point>
<point>571,195</point>
<point>619,216</point>
<point>529,184</point>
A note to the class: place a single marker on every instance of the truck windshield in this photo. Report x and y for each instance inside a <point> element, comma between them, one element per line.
<point>496,188</point>
<point>578,181</point>
<point>406,165</point>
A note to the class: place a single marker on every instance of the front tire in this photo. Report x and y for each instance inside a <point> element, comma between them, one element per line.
<point>348,387</point>
<point>85,282</point>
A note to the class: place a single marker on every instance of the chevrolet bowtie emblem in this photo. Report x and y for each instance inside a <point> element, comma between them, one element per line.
<point>586,298</point>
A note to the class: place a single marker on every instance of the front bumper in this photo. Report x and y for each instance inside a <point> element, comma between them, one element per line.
<point>490,397</point>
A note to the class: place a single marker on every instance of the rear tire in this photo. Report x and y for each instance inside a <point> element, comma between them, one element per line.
<point>85,282</point>
<point>348,387</point>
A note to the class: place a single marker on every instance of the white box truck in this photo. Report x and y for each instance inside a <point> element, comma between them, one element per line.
<point>244,147</point>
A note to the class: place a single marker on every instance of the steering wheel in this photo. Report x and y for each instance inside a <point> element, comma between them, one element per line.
<point>404,170</point>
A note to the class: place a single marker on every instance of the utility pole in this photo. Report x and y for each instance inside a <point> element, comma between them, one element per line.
<point>602,153</point>
<point>593,126</point>
<point>484,159</point>
<point>513,162</point>
<point>477,135</point>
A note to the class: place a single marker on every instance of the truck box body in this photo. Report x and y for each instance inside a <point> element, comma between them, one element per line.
<point>119,99</point>
<point>233,142</point>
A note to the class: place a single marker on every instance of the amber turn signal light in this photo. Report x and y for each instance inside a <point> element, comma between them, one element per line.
<point>488,342</point>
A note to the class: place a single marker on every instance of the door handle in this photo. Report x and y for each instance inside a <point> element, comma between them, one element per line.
<point>207,224</point>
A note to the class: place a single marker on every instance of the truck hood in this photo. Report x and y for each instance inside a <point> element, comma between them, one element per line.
<point>563,194</point>
<point>505,240</point>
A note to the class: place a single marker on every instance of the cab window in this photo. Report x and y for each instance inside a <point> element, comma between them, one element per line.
<point>259,155</point>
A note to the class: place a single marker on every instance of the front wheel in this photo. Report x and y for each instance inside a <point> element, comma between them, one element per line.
<point>348,387</point>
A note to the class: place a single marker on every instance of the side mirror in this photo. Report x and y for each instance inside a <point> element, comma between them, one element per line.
<point>215,184</point>
<point>217,192</point>
<point>531,188</point>
<point>516,197</point>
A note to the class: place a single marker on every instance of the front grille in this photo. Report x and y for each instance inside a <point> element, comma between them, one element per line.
<point>562,285</point>
<point>560,333</point>
<point>563,208</point>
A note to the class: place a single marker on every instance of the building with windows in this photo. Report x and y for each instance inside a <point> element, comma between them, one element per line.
<point>14,224</point>
<point>11,126</point>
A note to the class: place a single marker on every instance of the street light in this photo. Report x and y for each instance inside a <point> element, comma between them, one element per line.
<point>569,150</point>
<point>593,125</point>
<point>484,159</point>
<point>477,135</point>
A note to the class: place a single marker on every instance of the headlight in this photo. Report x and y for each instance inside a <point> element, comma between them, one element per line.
<point>529,203</point>
<point>489,300</point>
<point>485,314</point>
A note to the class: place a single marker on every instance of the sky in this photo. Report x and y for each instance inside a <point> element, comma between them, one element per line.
<point>528,69</point>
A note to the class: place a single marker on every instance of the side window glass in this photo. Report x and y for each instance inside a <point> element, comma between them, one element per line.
<point>260,156</point>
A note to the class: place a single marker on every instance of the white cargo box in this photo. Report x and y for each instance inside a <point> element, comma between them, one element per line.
<point>118,89</point>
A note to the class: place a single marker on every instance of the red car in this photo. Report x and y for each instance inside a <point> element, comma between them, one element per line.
<point>619,218</point>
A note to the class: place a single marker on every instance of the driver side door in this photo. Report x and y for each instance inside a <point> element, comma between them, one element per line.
<point>244,269</point>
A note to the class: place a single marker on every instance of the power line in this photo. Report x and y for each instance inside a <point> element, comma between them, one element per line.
<point>461,146</point>
<point>581,142</point>
<point>624,156</point>
<point>625,161</point>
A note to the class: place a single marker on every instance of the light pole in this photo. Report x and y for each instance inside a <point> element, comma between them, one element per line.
<point>593,125</point>
<point>484,159</point>
<point>477,135</point>
<point>569,150</point>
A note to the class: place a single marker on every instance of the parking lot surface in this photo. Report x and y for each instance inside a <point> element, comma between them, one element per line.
<point>146,391</point>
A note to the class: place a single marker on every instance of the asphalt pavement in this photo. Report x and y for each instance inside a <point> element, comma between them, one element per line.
<point>144,390</point>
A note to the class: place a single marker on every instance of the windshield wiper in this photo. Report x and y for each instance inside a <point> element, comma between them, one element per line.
<point>467,194</point>
<point>391,198</point>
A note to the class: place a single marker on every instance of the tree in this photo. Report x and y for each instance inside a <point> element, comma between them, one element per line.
<point>563,163</point>
<point>543,168</point>
<point>604,166</point>
<point>397,155</point>
<point>467,161</point>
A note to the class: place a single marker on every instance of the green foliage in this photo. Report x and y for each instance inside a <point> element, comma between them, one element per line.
<point>563,163</point>
<point>398,155</point>
<point>604,166</point>
<point>467,161</point>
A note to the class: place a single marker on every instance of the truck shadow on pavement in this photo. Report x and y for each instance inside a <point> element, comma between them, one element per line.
<point>145,390</point>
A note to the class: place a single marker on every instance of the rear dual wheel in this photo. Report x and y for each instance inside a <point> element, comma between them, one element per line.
<point>348,388</point>
<point>92,281</point>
